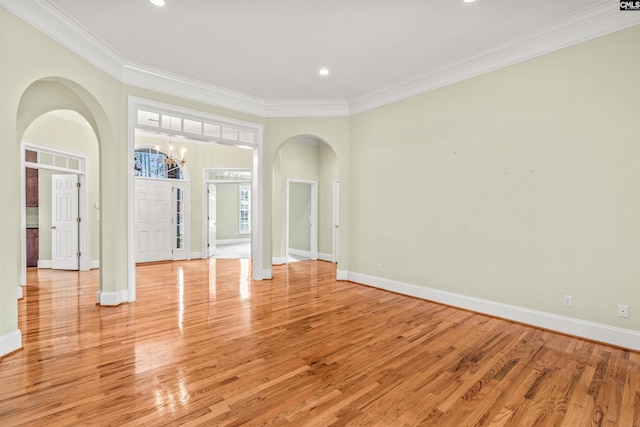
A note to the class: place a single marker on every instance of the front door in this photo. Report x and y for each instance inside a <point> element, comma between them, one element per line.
<point>211,220</point>
<point>64,222</point>
<point>153,217</point>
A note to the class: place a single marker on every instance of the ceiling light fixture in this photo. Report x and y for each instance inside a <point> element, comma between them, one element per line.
<point>160,3</point>
<point>469,1</point>
<point>324,71</point>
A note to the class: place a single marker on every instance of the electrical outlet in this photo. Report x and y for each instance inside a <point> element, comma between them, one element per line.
<point>379,267</point>
<point>623,310</point>
<point>567,300</point>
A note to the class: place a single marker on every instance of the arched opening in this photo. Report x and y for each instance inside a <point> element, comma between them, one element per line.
<point>72,102</point>
<point>60,162</point>
<point>58,127</point>
<point>305,200</point>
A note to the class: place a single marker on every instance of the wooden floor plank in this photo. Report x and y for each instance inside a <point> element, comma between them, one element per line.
<point>206,346</point>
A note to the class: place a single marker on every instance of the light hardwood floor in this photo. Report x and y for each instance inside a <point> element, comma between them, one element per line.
<point>204,345</point>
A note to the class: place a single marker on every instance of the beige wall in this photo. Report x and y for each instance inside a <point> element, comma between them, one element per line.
<point>518,186</point>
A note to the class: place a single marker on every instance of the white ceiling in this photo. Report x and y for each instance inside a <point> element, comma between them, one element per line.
<point>377,50</point>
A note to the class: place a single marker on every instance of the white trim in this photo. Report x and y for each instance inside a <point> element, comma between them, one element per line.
<point>325,257</point>
<point>44,263</point>
<point>10,342</point>
<point>603,18</point>
<point>19,292</point>
<point>50,20</point>
<point>307,108</point>
<point>599,20</point>
<point>222,242</point>
<point>342,275</point>
<point>581,328</point>
<point>112,298</point>
<point>257,197</point>
<point>335,220</point>
<point>171,84</point>
<point>279,260</point>
<point>266,274</point>
<point>300,253</point>
<point>95,263</point>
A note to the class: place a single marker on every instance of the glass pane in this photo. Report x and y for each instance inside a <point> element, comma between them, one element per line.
<point>46,159</point>
<point>74,164</point>
<point>246,136</point>
<point>230,133</point>
<point>211,130</point>
<point>192,126</point>
<point>179,218</point>
<point>31,156</point>
<point>147,118</point>
<point>60,161</point>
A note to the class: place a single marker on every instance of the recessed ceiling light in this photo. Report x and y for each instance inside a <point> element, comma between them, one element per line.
<point>324,71</point>
<point>469,1</point>
<point>161,2</point>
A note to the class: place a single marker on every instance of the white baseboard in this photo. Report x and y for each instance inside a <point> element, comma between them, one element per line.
<point>20,294</point>
<point>279,260</point>
<point>10,342</point>
<point>342,275</point>
<point>581,328</point>
<point>196,255</point>
<point>300,253</point>
<point>325,257</point>
<point>265,275</point>
<point>112,298</point>
<point>223,242</point>
<point>44,263</point>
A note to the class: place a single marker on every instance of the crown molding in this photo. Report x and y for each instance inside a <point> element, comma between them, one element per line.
<point>597,21</point>
<point>55,24</point>
<point>172,84</point>
<point>601,19</point>
<point>307,108</point>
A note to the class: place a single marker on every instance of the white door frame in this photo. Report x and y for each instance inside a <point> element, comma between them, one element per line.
<point>212,219</point>
<point>257,197</point>
<point>336,219</point>
<point>205,182</point>
<point>83,208</point>
<point>313,249</point>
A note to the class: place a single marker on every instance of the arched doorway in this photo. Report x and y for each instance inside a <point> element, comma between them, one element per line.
<point>60,147</point>
<point>59,126</point>
<point>305,177</point>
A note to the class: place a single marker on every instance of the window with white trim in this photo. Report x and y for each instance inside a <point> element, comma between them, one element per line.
<point>245,209</point>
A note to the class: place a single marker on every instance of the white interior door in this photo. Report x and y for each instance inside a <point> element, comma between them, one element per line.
<point>64,222</point>
<point>153,214</point>
<point>211,218</point>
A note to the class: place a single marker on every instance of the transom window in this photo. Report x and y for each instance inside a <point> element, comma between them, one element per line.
<point>197,128</point>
